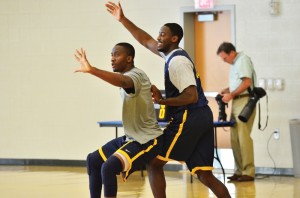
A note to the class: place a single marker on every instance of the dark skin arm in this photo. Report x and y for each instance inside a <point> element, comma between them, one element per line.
<point>116,79</point>
<point>140,35</point>
<point>188,96</point>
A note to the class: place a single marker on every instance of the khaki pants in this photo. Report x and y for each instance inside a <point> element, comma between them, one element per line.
<point>241,141</point>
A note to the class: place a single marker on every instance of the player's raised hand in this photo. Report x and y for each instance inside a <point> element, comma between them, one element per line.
<point>115,10</point>
<point>80,56</point>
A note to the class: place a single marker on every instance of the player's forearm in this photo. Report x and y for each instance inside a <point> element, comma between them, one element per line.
<point>188,96</point>
<point>115,79</point>
<point>140,35</point>
<point>175,102</point>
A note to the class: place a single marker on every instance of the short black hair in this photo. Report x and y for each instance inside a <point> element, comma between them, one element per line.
<point>176,30</point>
<point>129,48</point>
<point>226,47</point>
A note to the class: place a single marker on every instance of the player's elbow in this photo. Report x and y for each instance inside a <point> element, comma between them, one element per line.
<point>194,99</point>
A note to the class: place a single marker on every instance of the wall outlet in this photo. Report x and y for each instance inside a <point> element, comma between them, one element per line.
<point>276,134</point>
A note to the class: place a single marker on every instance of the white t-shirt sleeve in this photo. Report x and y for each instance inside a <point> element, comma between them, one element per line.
<point>181,72</point>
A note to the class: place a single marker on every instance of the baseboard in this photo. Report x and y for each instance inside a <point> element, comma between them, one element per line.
<point>272,171</point>
<point>41,162</point>
<point>167,167</point>
<point>259,170</point>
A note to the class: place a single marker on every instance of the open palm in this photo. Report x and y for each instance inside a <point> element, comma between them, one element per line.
<point>115,10</point>
<point>80,56</point>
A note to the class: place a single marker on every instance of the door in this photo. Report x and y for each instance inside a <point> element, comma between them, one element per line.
<point>212,70</point>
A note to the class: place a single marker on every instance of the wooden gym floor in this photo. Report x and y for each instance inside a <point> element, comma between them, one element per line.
<point>72,182</point>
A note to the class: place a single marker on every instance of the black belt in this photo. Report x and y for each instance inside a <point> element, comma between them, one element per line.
<point>241,96</point>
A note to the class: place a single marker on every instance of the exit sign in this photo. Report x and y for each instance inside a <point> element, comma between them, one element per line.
<point>204,4</point>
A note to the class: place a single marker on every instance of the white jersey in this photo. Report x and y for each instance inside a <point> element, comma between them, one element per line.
<point>180,66</point>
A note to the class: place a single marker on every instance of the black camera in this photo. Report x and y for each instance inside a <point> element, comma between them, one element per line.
<point>255,95</point>
<point>222,114</point>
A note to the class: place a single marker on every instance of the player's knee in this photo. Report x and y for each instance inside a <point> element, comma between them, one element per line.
<point>105,170</point>
<point>113,166</point>
<point>109,170</point>
<point>93,162</point>
<point>156,164</point>
<point>204,176</point>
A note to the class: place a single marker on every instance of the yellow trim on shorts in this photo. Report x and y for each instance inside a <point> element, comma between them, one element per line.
<point>126,156</point>
<point>125,144</point>
<point>148,149</point>
<point>177,134</point>
<point>131,160</point>
<point>204,168</point>
<point>168,159</point>
<point>128,159</point>
<point>102,154</point>
<point>124,174</point>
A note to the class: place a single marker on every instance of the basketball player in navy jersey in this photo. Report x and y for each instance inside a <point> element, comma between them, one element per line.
<point>189,137</point>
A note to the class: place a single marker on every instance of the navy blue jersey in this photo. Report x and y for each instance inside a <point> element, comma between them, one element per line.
<point>172,91</point>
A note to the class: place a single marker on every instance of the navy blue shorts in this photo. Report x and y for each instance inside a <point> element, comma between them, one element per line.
<point>138,155</point>
<point>189,138</point>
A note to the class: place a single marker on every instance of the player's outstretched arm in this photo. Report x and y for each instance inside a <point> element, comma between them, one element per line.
<point>116,79</point>
<point>140,35</point>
